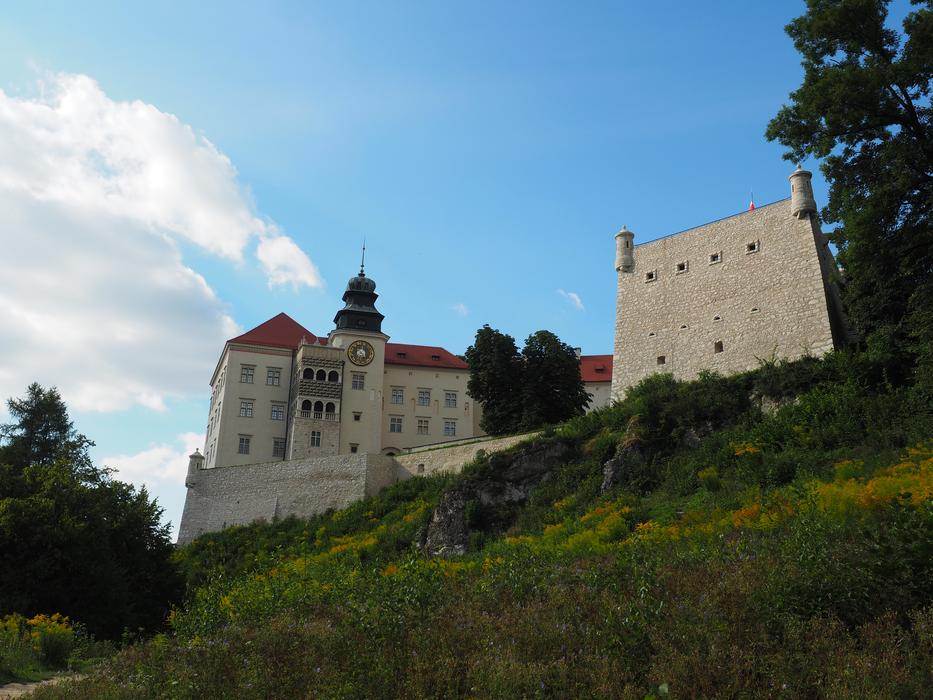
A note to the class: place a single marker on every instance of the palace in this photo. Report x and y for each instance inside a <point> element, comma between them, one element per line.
<point>281,393</point>
<point>727,295</point>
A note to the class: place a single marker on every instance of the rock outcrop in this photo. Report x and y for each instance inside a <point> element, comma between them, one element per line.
<point>509,477</point>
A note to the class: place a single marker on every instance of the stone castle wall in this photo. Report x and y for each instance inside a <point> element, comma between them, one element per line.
<point>425,461</point>
<point>242,494</point>
<point>727,315</point>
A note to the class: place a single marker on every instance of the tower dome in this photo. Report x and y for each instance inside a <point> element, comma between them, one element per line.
<point>359,312</point>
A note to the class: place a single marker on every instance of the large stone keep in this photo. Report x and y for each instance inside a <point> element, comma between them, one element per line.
<point>726,295</point>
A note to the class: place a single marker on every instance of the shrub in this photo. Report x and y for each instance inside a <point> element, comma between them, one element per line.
<point>53,638</point>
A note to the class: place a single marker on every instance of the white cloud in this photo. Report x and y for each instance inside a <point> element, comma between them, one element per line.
<point>157,464</point>
<point>460,308</point>
<point>573,298</point>
<point>95,195</point>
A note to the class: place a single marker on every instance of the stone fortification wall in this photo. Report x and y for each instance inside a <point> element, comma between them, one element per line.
<point>242,494</point>
<point>721,296</point>
<point>425,461</point>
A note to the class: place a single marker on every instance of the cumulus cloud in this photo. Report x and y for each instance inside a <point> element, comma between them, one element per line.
<point>95,196</point>
<point>157,464</point>
<point>573,298</point>
<point>460,308</point>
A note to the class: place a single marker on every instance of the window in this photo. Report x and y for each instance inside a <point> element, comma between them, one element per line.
<point>450,428</point>
<point>321,376</point>
<point>354,447</point>
<point>755,309</point>
<point>244,445</point>
<point>273,376</point>
<point>662,360</point>
<point>398,396</point>
<point>717,317</point>
<point>278,447</point>
<point>246,374</point>
<point>423,426</point>
<point>357,416</point>
<point>246,409</point>
<point>715,258</point>
<point>333,376</point>
<point>651,334</point>
<point>308,373</point>
<point>315,438</point>
<point>278,411</point>
<point>359,381</point>
<point>436,358</point>
<point>681,267</point>
<point>450,399</point>
<point>717,346</point>
<point>683,326</point>
<point>651,276</point>
<point>752,247</point>
<point>424,397</point>
<point>395,424</point>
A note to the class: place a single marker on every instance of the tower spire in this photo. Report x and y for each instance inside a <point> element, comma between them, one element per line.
<point>363,259</point>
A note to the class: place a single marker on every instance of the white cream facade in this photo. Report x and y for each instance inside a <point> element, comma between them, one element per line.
<point>281,393</point>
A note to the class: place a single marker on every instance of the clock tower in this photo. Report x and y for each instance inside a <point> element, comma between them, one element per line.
<point>358,333</point>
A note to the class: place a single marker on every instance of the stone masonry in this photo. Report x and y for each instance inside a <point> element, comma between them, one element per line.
<point>241,494</point>
<point>726,295</point>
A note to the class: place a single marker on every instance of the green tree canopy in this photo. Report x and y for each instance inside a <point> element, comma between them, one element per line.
<point>864,109</point>
<point>495,380</point>
<point>73,540</point>
<point>553,390</point>
<point>524,390</point>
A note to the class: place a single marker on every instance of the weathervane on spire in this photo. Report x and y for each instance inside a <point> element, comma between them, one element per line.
<point>363,259</point>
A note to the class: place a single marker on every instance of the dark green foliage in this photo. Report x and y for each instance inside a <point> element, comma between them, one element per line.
<point>496,380</point>
<point>523,391</point>
<point>553,390</point>
<point>864,109</point>
<point>73,540</point>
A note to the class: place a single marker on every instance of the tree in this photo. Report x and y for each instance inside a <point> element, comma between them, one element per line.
<point>553,390</point>
<point>42,432</point>
<point>864,109</point>
<point>496,380</point>
<point>72,539</point>
<point>523,391</point>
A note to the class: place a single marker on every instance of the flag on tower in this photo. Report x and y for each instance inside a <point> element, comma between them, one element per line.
<point>751,203</point>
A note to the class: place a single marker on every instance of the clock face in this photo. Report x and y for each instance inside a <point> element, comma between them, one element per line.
<point>360,352</point>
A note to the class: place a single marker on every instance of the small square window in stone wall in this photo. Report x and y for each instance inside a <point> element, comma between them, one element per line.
<point>715,258</point>
<point>717,346</point>
<point>753,246</point>
<point>662,360</point>
<point>681,267</point>
<point>717,317</point>
<point>651,276</point>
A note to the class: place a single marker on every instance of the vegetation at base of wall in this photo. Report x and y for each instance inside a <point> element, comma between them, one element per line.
<point>37,647</point>
<point>776,538</point>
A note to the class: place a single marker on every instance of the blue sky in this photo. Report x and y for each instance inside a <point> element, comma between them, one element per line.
<point>487,151</point>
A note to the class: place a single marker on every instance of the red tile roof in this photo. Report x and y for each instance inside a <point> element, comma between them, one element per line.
<point>596,368</point>
<point>422,356</point>
<point>280,331</point>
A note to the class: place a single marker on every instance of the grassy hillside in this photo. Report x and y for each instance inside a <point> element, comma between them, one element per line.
<point>769,534</point>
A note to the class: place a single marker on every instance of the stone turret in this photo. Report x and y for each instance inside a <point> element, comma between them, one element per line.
<point>802,203</point>
<point>195,464</point>
<point>625,251</point>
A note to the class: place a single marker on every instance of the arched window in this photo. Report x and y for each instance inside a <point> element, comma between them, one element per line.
<point>333,376</point>
<point>306,405</point>
<point>321,375</point>
<point>330,408</point>
<point>308,373</point>
<point>318,406</point>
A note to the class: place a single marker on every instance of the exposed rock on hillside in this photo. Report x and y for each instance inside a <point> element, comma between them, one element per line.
<point>509,477</point>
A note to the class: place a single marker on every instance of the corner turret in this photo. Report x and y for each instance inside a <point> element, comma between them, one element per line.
<point>802,203</point>
<point>195,464</point>
<point>625,250</point>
